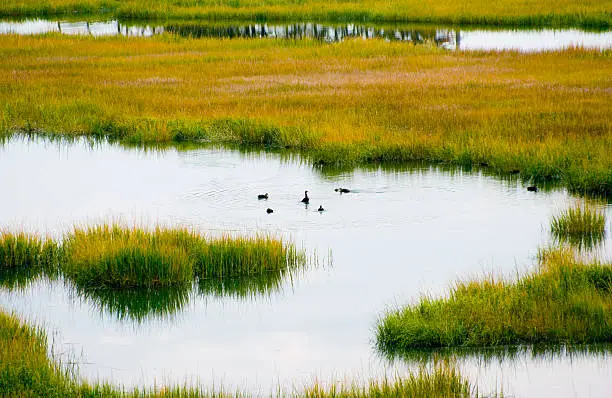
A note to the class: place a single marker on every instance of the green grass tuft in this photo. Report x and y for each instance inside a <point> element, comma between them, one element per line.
<point>564,301</point>
<point>578,223</point>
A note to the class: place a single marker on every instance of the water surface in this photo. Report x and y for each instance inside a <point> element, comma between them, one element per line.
<point>447,37</point>
<point>398,234</point>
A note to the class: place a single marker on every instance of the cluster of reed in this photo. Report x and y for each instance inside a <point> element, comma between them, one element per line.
<point>580,223</point>
<point>563,301</point>
<point>544,116</point>
<point>24,257</point>
<point>112,256</point>
<point>476,12</point>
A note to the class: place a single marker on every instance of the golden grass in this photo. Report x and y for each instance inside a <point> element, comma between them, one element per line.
<point>506,12</point>
<point>545,115</point>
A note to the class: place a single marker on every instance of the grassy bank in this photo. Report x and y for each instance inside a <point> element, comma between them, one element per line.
<point>26,370</point>
<point>24,257</point>
<point>589,13</point>
<point>545,116</point>
<point>564,301</point>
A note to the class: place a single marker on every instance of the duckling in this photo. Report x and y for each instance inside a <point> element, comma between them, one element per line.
<point>342,190</point>
<point>532,188</point>
<point>269,210</point>
<point>262,196</point>
<point>306,198</point>
<point>320,208</point>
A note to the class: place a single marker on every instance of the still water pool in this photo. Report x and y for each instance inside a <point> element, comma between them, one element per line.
<point>398,234</point>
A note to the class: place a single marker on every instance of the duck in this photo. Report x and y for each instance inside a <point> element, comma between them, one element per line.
<point>320,208</point>
<point>306,198</point>
<point>269,210</point>
<point>532,188</point>
<point>342,190</point>
<point>262,196</point>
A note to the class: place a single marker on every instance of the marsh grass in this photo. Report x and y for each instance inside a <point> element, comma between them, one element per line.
<point>108,256</point>
<point>112,256</point>
<point>476,12</point>
<point>26,370</point>
<point>542,117</point>
<point>582,225</point>
<point>25,257</point>
<point>564,301</point>
<point>443,381</point>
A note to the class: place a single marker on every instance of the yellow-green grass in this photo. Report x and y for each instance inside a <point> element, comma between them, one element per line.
<point>578,222</point>
<point>503,12</point>
<point>545,115</point>
<point>564,301</point>
<point>26,370</point>
<point>113,256</point>
<point>24,257</point>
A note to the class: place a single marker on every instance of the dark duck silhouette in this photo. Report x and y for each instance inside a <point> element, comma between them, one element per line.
<point>342,190</point>
<point>262,196</point>
<point>320,208</point>
<point>269,210</point>
<point>532,188</point>
<point>306,198</point>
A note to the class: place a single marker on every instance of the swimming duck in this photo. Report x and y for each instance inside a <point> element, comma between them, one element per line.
<point>269,210</point>
<point>306,199</point>
<point>342,190</point>
<point>262,196</point>
<point>320,208</point>
<point>532,188</point>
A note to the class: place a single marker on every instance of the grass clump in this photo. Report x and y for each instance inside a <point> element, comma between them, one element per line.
<point>578,223</point>
<point>564,301</point>
<point>111,256</point>
<point>24,257</point>
<point>107,256</point>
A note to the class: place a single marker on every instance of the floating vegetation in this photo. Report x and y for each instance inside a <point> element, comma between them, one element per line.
<point>564,301</point>
<point>582,225</point>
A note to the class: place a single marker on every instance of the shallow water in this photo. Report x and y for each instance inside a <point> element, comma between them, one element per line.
<point>398,234</point>
<point>450,38</point>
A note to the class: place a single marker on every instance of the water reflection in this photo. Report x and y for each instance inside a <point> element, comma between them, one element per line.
<point>519,353</point>
<point>447,37</point>
<point>137,305</point>
<point>246,287</point>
